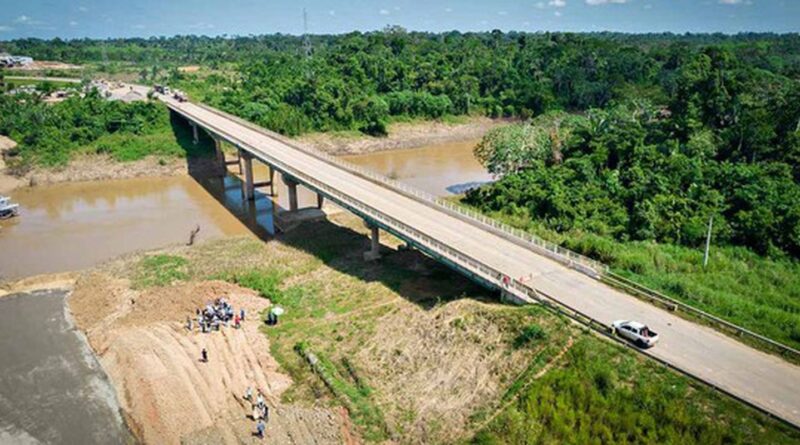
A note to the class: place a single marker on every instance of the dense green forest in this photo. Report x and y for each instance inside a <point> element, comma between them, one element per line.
<point>360,80</point>
<point>51,134</point>
<point>623,140</point>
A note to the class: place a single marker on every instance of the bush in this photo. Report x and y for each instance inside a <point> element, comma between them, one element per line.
<point>529,334</point>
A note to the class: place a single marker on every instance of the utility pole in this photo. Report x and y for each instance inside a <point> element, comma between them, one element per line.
<point>708,241</point>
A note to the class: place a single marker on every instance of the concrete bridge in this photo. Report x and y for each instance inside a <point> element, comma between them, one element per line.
<point>524,269</point>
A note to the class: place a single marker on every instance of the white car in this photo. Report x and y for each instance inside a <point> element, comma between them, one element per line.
<point>636,332</point>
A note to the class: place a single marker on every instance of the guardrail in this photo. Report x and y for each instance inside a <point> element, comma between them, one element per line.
<point>514,286</point>
<point>480,269</point>
<point>607,332</point>
<point>551,250</point>
<point>583,264</point>
<point>672,304</point>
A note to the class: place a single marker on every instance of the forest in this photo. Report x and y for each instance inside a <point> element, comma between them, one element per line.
<point>626,146</point>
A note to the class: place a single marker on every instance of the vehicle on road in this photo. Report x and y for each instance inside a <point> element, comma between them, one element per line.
<point>636,332</point>
<point>7,208</point>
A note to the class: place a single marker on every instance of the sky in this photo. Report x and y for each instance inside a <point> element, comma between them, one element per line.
<point>145,18</point>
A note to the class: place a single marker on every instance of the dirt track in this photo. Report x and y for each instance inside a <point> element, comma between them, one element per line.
<point>168,396</point>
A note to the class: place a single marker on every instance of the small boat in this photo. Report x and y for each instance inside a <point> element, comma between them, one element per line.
<point>7,208</point>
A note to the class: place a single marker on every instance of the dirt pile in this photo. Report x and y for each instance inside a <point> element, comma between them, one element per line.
<point>167,394</point>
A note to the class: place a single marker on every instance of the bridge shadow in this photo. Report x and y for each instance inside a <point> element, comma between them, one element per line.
<point>409,273</point>
<point>203,167</point>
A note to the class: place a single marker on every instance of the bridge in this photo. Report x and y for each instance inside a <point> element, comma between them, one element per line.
<point>524,269</point>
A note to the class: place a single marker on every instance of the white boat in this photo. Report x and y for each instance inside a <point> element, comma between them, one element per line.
<point>7,208</point>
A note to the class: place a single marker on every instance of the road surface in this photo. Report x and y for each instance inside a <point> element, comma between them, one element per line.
<point>762,379</point>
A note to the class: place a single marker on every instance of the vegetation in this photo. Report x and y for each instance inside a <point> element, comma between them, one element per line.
<point>635,185</point>
<point>51,134</point>
<point>582,390</point>
<point>605,395</point>
<point>160,270</point>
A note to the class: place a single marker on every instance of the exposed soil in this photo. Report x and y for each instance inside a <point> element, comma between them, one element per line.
<point>432,370</point>
<point>103,167</point>
<point>402,135</point>
<point>167,394</point>
<point>38,65</point>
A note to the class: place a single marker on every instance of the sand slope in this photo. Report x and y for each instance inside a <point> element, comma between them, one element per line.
<point>168,396</point>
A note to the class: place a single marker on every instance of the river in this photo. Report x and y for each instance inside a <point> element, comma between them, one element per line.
<point>73,226</point>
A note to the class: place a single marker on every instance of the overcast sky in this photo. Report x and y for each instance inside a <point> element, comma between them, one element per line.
<point>144,18</point>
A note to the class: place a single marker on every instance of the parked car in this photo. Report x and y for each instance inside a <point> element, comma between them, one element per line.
<point>636,332</point>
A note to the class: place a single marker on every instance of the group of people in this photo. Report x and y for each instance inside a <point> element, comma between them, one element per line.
<point>260,411</point>
<point>215,314</point>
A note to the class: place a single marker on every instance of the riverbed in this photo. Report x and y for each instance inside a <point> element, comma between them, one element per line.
<point>72,226</point>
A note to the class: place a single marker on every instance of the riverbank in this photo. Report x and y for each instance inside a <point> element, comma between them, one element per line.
<point>402,350</point>
<point>403,135</point>
<point>105,167</point>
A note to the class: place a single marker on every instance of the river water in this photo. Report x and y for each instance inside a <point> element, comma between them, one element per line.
<point>52,389</point>
<point>76,225</point>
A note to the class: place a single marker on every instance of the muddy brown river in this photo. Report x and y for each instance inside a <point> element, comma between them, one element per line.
<point>76,225</point>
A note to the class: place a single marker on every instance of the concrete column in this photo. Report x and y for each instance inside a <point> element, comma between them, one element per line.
<point>320,200</point>
<point>223,167</point>
<point>374,252</point>
<point>292,186</point>
<point>249,185</point>
<point>271,181</point>
<point>195,136</point>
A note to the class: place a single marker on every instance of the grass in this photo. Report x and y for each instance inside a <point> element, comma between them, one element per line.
<point>160,270</point>
<point>759,293</point>
<point>351,390</point>
<point>604,394</point>
<point>341,309</point>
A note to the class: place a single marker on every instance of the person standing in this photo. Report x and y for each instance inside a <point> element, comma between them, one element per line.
<point>241,314</point>
<point>260,427</point>
<point>204,355</point>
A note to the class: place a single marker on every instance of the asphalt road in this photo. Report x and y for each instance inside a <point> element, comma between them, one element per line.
<point>52,389</point>
<point>762,379</point>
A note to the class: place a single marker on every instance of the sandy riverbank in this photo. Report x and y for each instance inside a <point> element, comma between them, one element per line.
<point>402,135</point>
<point>103,167</point>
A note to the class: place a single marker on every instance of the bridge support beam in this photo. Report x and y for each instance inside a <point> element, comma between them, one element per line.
<point>374,252</point>
<point>249,185</point>
<point>291,185</point>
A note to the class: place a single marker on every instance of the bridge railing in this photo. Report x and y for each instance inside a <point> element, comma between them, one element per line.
<point>461,259</point>
<point>551,250</point>
<point>590,267</point>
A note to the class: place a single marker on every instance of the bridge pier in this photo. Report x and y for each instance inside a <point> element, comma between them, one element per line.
<point>249,185</point>
<point>292,186</point>
<point>374,252</point>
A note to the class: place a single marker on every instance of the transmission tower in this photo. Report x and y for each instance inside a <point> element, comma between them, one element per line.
<point>307,46</point>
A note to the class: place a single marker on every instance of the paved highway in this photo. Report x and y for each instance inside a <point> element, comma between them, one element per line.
<point>762,379</point>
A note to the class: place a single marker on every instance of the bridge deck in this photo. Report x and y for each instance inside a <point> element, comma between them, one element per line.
<point>762,379</point>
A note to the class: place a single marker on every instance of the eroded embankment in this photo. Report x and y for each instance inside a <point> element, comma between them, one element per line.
<point>167,394</point>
